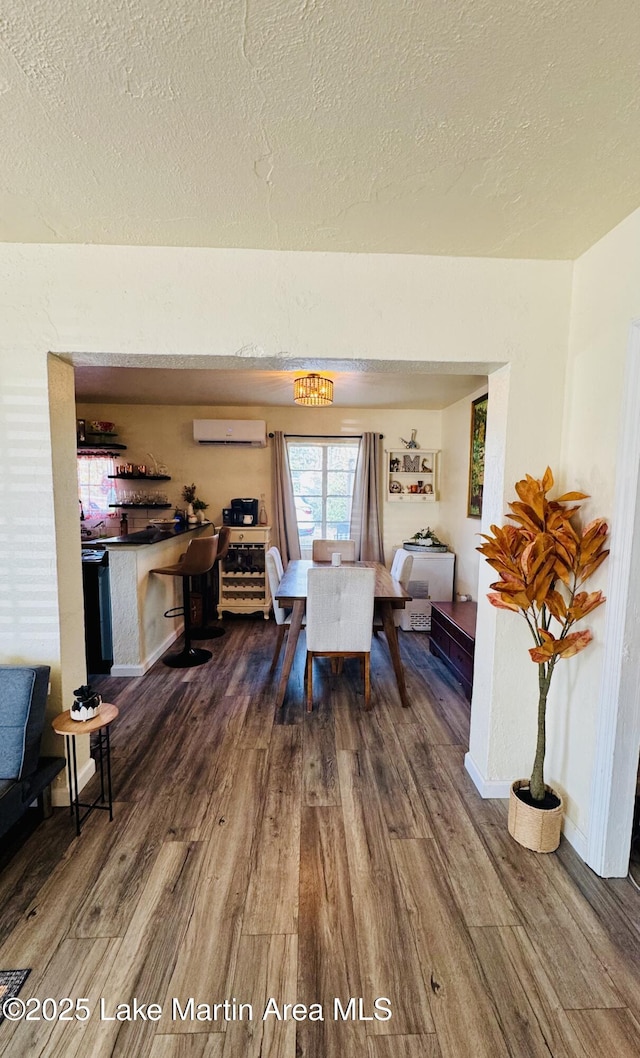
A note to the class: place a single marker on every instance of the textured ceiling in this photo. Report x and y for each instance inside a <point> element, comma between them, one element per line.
<point>364,389</point>
<point>472,127</point>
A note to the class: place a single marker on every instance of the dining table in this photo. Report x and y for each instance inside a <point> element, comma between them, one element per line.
<point>389,595</point>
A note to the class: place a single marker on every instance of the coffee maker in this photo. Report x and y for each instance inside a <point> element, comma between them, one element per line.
<point>241,512</point>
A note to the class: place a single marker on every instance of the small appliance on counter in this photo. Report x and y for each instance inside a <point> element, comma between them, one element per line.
<point>241,512</point>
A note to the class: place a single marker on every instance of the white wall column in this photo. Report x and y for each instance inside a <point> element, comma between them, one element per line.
<point>618,732</point>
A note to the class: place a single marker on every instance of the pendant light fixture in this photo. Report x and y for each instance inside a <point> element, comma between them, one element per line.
<point>314,391</point>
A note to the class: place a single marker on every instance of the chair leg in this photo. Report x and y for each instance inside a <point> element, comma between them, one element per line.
<point>367,681</point>
<point>207,630</point>
<point>279,642</point>
<point>188,656</point>
<point>309,682</point>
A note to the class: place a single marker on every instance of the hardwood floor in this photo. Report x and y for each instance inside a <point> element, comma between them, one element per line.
<point>271,857</point>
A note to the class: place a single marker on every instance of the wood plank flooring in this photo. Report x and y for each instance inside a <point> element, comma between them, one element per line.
<point>262,857</point>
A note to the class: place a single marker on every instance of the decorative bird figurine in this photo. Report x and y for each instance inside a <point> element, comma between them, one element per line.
<point>412,443</point>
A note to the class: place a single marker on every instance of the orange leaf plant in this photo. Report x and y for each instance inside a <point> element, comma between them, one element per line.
<point>543,561</point>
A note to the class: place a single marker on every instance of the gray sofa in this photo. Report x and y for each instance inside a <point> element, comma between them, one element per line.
<point>25,776</point>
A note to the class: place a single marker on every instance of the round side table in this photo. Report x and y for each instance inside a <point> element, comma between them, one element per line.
<point>63,725</point>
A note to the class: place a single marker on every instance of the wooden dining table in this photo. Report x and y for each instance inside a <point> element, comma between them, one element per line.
<point>389,596</point>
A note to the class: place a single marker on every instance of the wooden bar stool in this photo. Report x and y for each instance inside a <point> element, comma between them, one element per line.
<point>196,561</point>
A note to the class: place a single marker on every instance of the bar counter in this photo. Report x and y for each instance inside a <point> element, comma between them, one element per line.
<point>149,535</point>
<point>139,598</point>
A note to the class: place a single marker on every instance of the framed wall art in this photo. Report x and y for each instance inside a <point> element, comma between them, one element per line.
<point>476,456</point>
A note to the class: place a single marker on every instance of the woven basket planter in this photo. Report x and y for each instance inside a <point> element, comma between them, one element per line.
<point>535,828</point>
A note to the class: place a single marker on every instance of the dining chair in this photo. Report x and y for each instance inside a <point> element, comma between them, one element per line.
<point>401,571</point>
<point>277,558</point>
<point>322,550</point>
<point>282,616</point>
<point>340,618</point>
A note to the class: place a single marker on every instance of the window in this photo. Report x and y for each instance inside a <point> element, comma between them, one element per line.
<point>322,473</point>
<point>95,490</point>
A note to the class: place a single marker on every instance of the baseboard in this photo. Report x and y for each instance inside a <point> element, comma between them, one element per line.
<point>575,837</point>
<point>139,670</point>
<point>127,670</point>
<point>60,794</point>
<point>486,787</point>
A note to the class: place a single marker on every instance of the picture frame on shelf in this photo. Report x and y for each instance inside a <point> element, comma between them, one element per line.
<point>476,455</point>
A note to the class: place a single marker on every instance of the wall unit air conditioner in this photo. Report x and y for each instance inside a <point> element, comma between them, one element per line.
<point>251,433</point>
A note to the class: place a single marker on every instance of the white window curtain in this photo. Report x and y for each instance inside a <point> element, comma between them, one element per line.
<point>285,523</point>
<point>366,522</point>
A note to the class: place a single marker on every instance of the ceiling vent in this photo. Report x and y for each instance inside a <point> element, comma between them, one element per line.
<point>250,433</point>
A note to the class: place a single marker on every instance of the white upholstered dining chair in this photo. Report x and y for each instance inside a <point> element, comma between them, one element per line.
<point>401,571</point>
<point>340,618</point>
<point>275,571</point>
<point>322,550</point>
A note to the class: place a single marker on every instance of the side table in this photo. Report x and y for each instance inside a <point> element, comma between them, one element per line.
<point>64,725</point>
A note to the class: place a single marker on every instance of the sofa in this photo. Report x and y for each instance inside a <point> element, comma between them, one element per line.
<point>25,776</point>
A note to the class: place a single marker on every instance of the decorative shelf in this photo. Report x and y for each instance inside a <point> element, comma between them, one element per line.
<point>87,446</point>
<point>140,477</point>
<point>411,475</point>
<point>143,506</point>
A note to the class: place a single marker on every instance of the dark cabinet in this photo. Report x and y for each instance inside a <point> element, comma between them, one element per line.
<point>97,611</point>
<point>453,638</point>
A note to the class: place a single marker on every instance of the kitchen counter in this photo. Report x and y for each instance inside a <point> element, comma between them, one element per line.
<point>150,535</point>
<point>140,598</point>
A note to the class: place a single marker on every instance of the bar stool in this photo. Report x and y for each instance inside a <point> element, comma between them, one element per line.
<point>197,560</point>
<point>208,631</point>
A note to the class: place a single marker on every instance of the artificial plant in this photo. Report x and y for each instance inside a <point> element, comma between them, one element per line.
<point>426,536</point>
<point>189,496</point>
<point>543,561</point>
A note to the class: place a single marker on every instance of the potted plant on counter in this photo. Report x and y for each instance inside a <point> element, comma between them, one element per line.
<point>424,538</point>
<point>195,506</point>
<point>543,561</point>
<point>199,507</point>
<point>189,495</point>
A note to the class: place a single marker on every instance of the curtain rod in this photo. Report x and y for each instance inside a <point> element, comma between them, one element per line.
<point>330,436</point>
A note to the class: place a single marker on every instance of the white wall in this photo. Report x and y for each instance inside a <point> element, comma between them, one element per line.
<point>462,531</point>
<point>606,299</point>
<point>300,309</point>
<point>72,671</point>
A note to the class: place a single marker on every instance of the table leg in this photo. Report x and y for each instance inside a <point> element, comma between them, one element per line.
<point>106,733</point>
<point>100,754</point>
<point>67,742</point>
<point>297,615</point>
<point>74,782</point>
<point>391,632</point>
